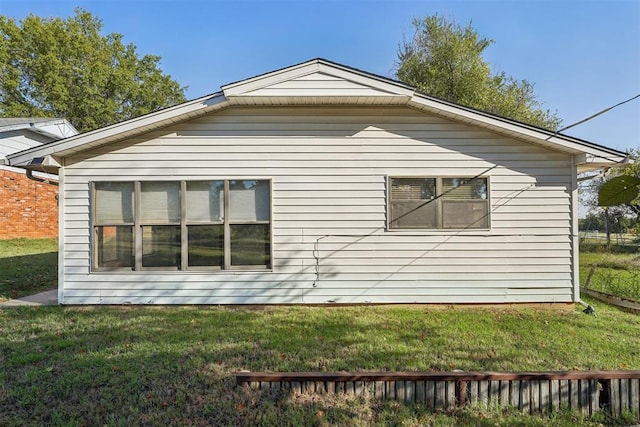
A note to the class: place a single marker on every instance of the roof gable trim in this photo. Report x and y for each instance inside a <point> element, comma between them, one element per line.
<point>320,75</point>
<point>319,70</point>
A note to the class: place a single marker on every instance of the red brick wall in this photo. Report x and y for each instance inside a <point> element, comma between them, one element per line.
<point>27,208</point>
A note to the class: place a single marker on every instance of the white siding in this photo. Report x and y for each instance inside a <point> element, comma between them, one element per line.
<point>317,84</point>
<point>18,140</point>
<point>328,168</point>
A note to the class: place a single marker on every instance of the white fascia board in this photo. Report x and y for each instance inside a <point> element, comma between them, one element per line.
<point>29,125</point>
<point>44,132</point>
<point>548,139</point>
<point>135,126</point>
<point>41,125</point>
<point>315,66</point>
<point>393,100</point>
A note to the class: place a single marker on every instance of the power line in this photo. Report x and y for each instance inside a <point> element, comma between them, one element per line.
<point>593,116</point>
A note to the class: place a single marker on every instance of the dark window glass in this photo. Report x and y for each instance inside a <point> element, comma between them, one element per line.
<point>250,244</point>
<point>206,245</point>
<point>160,246</point>
<point>115,246</point>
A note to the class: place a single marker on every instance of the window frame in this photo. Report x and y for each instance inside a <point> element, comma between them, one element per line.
<point>94,237</point>
<point>184,223</point>
<point>438,199</point>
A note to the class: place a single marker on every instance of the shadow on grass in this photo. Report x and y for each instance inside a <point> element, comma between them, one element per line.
<point>118,366</point>
<point>27,274</point>
<point>176,366</point>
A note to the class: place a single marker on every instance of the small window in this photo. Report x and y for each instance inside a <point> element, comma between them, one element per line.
<point>435,203</point>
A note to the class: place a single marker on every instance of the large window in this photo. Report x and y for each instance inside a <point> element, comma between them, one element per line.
<point>433,203</point>
<point>182,225</point>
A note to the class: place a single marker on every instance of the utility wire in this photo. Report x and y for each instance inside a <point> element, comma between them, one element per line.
<point>593,116</point>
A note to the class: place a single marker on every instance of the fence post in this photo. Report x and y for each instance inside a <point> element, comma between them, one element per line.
<point>590,275</point>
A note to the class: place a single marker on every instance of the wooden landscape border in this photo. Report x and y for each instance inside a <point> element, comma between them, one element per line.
<point>533,392</point>
<point>621,302</point>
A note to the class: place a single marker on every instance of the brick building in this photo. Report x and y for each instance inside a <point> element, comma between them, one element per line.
<point>28,204</point>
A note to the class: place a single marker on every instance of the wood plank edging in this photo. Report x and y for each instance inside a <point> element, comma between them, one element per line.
<point>624,303</point>
<point>246,377</point>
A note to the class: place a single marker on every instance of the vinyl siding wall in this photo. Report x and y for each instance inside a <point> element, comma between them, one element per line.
<point>328,168</point>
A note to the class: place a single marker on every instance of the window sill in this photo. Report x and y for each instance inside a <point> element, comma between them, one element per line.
<point>180,272</point>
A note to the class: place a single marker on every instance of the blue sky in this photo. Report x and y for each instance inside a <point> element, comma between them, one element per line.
<point>582,55</point>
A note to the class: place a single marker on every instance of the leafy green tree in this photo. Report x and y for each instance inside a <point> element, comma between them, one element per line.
<point>444,59</point>
<point>622,186</point>
<point>52,67</point>
<point>613,221</point>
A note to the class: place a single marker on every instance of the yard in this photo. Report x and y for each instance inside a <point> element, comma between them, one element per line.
<point>176,365</point>
<point>27,266</point>
<point>616,272</point>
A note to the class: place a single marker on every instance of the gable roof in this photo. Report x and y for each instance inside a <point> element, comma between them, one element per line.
<point>322,82</point>
<point>51,127</point>
<point>23,133</point>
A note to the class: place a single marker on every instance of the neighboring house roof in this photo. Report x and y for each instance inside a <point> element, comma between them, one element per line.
<point>319,82</point>
<point>54,128</point>
<point>20,133</point>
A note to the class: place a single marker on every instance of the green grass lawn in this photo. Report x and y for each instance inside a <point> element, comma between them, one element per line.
<point>27,266</point>
<point>175,365</point>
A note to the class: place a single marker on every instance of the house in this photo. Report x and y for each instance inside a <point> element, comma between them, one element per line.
<point>28,201</point>
<point>318,183</point>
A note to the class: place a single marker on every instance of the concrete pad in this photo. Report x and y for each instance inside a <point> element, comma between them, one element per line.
<point>43,298</point>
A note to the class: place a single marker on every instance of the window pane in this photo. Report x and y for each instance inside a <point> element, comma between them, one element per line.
<point>418,214</point>
<point>206,245</point>
<point>413,203</point>
<point>114,202</point>
<point>459,214</point>
<point>115,246</point>
<point>205,201</point>
<point>249,200</point>
<point>413,188</point>
<point>160,202</point>
<point>161,246</point>
<point>464,188</point>
<point>250,244</point>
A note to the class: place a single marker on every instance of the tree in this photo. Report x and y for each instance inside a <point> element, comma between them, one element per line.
<point>444,59</point>
<point>51,67</point>
<point>621,190</point>
<point>622,186</point>
<point>618,193</point>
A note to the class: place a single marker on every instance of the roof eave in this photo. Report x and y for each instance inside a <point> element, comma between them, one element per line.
<point>549,139</point>
<point>119,131</point>
<point>392,93</point>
